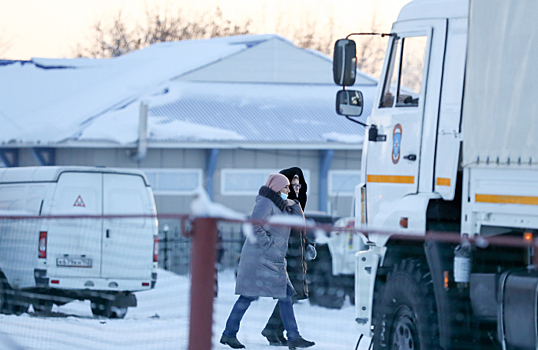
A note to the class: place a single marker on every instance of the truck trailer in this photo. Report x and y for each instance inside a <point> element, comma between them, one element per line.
<point>451,151</point>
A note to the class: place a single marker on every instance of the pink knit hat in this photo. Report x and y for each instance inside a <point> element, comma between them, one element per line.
<point>277,182</point>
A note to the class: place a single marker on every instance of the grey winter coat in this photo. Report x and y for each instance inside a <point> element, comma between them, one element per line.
<point>262,267</point>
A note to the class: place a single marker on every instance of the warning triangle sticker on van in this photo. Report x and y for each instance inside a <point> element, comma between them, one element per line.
<point>79,202</point>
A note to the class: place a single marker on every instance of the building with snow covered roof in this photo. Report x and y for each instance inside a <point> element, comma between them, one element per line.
<point>222,113</point>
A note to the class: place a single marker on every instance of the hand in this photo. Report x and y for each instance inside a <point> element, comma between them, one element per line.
<point>310,252</point>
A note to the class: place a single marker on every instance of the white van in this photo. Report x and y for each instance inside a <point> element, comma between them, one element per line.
<point>70,232</point>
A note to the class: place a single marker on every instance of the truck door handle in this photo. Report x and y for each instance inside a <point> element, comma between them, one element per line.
<point>107,233</point>
<point>411,157</point>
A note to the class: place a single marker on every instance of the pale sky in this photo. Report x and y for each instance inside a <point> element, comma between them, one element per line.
<point>52,28</point>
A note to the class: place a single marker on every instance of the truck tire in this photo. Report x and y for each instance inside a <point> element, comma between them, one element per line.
<point>324,289</point>
<point>405,317</point>
<point>348,282</point>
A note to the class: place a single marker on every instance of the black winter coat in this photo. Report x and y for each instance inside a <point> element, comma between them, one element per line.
<point>297,242</point>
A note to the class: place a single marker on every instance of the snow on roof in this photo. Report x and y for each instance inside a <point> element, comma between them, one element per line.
<point>197,90</point>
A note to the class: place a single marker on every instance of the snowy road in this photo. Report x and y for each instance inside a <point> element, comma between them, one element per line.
<point>161,321</point>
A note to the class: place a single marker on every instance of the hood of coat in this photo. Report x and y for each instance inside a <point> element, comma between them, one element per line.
<point>273,196</point>
<point>290,173</point>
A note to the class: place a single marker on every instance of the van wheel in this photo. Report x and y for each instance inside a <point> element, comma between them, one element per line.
<point>99,308</point>
<point>43,306</point>
<point>104,308</point>
<point>118,312</point>
<point>3,299</point>
<point>10,300</point>
<point>405,315</point>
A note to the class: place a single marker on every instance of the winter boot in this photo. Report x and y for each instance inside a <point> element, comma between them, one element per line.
<point>282,339</point>
<point>231,342</point>
<point>272,337</point>
<point>300,343</point>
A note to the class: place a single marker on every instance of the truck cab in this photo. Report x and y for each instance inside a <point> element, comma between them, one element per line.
<point>447,166</point>
<point>411,154</point>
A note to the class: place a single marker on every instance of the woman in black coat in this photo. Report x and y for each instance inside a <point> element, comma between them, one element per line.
<point>300,249</point>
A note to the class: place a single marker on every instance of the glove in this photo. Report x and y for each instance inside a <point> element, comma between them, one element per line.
<point>310,252</point>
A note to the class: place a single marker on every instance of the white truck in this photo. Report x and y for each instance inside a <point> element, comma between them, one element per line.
<point>71,233</point>
<point>451,145</point>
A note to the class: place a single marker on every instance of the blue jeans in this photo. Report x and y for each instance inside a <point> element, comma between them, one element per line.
<point>243,303</point>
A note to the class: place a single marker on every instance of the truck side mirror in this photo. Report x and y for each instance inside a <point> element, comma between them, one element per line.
<point>349,102</point>
<point>344,62</point>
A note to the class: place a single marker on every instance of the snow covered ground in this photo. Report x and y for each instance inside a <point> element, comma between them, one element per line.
<point>161,321</point>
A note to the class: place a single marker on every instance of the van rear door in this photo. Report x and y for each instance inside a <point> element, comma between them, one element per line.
<point>74,244</point>
<point>127,242</point>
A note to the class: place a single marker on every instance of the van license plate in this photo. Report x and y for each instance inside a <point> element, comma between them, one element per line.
<point>74,262</point>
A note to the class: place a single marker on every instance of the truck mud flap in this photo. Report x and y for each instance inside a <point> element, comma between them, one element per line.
<point>517,323</point>
<point>450,303</point>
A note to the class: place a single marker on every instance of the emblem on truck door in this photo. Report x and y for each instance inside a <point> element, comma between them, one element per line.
<point>396,143</point>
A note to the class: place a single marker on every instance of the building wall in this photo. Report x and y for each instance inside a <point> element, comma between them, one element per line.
<point>308,160</point>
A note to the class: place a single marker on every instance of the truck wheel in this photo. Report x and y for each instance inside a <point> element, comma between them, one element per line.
<point>326,291</point>
<point>352,297</point>
<point>349,286</point>
<point>405,317</point>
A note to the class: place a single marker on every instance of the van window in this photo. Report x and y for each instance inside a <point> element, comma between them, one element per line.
<point>403,81</point>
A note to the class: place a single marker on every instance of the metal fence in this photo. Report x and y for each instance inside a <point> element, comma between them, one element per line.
<point>175,246</point>
<point>442,289</point>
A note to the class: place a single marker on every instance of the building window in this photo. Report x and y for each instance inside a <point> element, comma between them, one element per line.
<point>343,182</point>
<point>247,182</point>
<point>174,181</point>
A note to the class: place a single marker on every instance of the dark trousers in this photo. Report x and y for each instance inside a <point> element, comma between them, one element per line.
<point>284,305</point>
<point>275,323</point>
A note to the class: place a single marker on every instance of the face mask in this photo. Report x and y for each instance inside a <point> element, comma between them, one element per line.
<point>283,195</point>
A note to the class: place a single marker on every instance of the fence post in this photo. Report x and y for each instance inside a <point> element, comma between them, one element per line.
<point>166,228</point>
<point>203,252</point>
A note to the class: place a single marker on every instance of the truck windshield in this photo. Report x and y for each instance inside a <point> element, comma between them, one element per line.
<point>404,74</point>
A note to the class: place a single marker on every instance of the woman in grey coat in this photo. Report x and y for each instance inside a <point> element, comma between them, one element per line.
<point>262,268</point>
<point>300,250</point>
